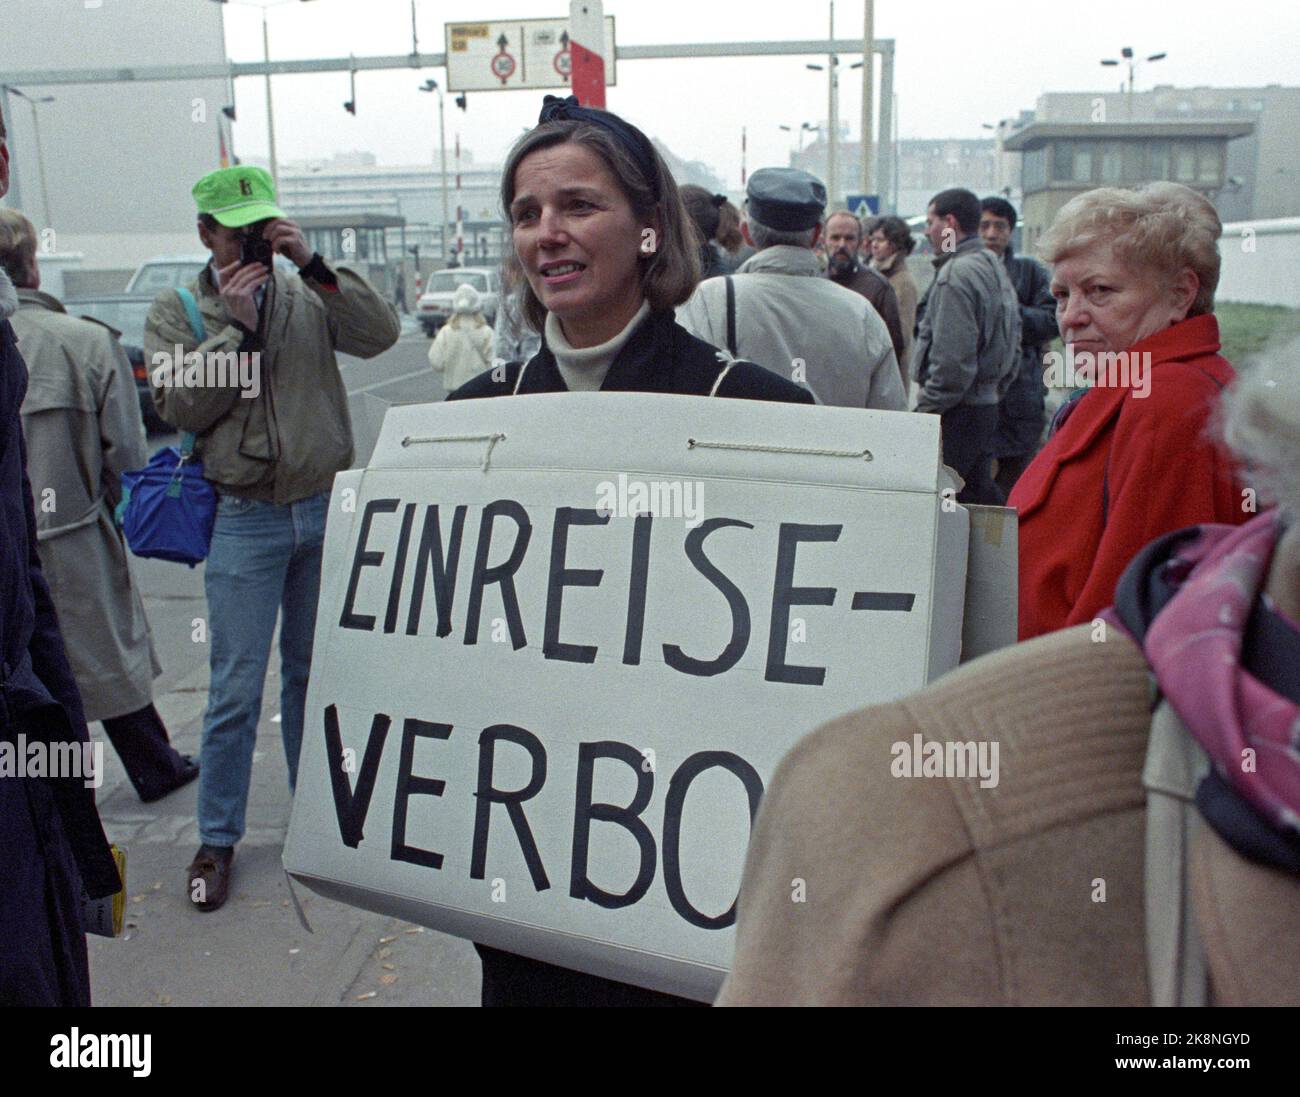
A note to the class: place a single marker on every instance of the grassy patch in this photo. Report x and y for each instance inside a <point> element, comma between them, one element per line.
<point>1248,330</point>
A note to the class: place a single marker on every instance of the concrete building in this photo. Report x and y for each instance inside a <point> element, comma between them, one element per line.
<point>1235,144</point>
<point>1063,159</point>
<point>110,175</point>
<point>1261,171</point>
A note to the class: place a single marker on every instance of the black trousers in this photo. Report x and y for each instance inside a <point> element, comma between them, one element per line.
<point>968,433</point>
<point>510,980</point>
<point>1010,470</point>
<point>140,739</point>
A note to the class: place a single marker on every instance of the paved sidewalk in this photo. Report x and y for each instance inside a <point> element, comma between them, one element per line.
<point>253,951</point>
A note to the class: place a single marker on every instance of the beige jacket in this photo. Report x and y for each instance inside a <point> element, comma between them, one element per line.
<point>287,442</point>
<point>905,288</point>
<point>461,350</point>
<point>865,888</point>
<point>81,419</point>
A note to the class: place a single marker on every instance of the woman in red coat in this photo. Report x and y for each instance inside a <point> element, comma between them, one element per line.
<point>1134,274</point>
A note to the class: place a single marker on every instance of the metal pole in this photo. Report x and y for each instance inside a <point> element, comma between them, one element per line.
<point>887,163</point>
<point>270,114</point>
<point>442,143</point>
<point>40,164</point>
<point>896,155</point>
<point>868,118</point>
<point>460,216</point>
<point>833,120</point>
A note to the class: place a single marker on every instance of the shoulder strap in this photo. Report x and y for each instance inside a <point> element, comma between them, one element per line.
<point>520,379</point>
<point>200,331</point>
<point>192,313</point>
<point>717,384</point>
<point>1175,764</point>
<point>731,315</point>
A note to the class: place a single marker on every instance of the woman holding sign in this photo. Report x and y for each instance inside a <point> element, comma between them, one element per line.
<point>603,253</point>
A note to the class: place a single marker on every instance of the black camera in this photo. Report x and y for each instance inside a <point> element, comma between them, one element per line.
<point>255,248</point>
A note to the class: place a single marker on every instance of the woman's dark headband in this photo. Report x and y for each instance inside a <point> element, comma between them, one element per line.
<point>630,139</point>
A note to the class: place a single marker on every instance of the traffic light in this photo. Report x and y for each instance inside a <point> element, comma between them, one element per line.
<point>350,107</point>
<point>462,101</point>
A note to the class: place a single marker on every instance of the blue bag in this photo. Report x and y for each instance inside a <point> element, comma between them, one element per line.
<point>168,509</point>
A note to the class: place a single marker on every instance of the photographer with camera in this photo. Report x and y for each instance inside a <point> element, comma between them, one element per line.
<point>271,433</point>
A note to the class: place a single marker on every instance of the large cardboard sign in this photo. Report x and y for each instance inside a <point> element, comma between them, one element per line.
<point>563,642</point>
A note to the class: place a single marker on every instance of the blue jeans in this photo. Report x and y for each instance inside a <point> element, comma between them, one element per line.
<point>264,558</point>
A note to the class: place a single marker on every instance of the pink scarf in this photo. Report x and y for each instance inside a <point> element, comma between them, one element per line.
<point>1251,733</point>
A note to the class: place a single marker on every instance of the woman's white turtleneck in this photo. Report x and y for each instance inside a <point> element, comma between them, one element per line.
<point>584,368</point>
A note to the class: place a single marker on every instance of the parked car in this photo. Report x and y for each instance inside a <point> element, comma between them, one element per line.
<point>126,313</point>
<point>165,272</point>
<point>433,309</point>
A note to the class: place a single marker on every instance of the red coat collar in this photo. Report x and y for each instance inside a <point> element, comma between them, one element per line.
<point>1197,337</point>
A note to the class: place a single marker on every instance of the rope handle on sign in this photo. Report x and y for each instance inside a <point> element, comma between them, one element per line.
<point>864,455</point>
<point>490,439</point>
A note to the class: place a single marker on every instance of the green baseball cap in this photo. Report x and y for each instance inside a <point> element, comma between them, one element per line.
<point>237,196</point>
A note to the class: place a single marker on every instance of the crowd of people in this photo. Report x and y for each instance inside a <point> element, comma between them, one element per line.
<point>1151,551</point>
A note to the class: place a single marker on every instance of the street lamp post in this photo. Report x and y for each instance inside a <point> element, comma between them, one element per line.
<point>432,85</point>
<point>803,127</point>
<point>868,111</point>
<point>266,56</point>
<point>1127,54</point>
<point>833,116</point>
<point>40,150</point>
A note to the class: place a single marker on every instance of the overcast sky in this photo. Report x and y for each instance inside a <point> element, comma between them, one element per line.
<point>958,65</point>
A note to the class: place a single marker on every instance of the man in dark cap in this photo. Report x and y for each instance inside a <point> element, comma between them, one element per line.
<point>778,310</point>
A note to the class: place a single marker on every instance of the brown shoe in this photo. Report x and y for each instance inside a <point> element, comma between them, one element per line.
<point>208,878</point>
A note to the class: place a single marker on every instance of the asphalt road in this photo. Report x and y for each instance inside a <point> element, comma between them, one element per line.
<point>398,376</point>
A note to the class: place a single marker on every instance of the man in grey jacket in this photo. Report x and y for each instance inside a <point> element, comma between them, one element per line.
<point>968,341</point>
<point>780,312</point>
<point>261,390</point>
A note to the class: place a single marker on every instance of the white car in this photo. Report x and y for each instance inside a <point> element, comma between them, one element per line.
<point>166,272</point>
<point>433,309</point>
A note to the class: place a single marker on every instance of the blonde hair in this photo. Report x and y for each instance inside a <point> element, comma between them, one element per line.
<point>1260,422</point>
<point>1161,226</point>
<point>17,246</point>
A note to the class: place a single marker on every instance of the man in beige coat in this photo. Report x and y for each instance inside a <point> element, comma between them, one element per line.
<point>81,419</point>
<point>1111,855</point>
<point>936,891</point>
<point>261,390</point>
